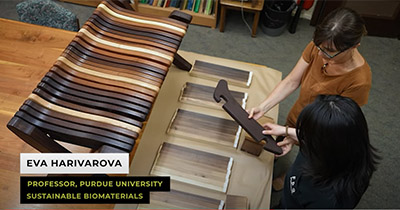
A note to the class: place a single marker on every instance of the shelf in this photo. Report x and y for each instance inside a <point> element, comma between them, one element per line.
<point>198,18</point>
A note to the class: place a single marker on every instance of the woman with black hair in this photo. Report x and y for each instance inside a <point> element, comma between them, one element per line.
<point>336,160</point>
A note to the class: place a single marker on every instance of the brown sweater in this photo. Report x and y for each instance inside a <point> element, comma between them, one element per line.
<point>354,84</point>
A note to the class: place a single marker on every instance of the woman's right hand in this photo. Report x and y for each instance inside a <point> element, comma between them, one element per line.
<point>256,112</point>
<point>286,145</point>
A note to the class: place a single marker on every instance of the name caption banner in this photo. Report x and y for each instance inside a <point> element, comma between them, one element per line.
<point>74,163</point>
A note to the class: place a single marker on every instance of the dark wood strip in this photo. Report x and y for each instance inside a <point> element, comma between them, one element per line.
<point>105,81</point>
<point>136,34</point>
<point>74,126</point>
<point>72,136</point>
<point>95,98</point>
<point>96,91</point>
<point>90,103</point>
<point>142,55</point>
<point>204,95</point>
<point>90,50</point>
<point>112,66</point>
<point>217,72</point>
<point>109,70</point>
<point>100,86</point>
<point>87,122</point>
<point>43,94</point>
<point>104,32</point>
<point>129,42</point>
<point>168,21</point>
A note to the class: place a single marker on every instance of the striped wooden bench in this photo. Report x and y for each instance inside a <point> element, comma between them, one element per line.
<point>102,87</point>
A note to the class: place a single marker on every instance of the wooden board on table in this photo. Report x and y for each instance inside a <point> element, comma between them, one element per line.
<point>216,72</point>
<point>202,95</point>
<point>180,200</point>
<point>197,126</point>
<point>192,166</point>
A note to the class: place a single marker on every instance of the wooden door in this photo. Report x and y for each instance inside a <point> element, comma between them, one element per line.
<point>382,17</point>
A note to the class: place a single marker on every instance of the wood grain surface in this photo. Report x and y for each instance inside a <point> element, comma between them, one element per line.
<point>216,72</point>
<point>198,126</point>
<point>202,95</point>
<point>192,166</point>
<point>180,200</point>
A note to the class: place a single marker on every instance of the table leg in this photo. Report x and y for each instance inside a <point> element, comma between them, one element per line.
<point>255,23</point>
<point>222,19</point>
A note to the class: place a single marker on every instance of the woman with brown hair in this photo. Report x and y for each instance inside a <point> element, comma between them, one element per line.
<point>330,64</point>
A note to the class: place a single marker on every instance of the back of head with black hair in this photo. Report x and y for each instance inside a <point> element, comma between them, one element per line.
<point>342,28</point>
<point>333,135</point>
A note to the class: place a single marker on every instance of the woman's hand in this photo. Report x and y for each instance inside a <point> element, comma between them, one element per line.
<point>256,112</point>
<point>286,145</point>
<point>274,129</point>
<point>279,130</point>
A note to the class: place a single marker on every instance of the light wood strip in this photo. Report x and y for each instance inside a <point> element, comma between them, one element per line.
<point>142,21</point>
<point>83,115</point>
<point>107,76</point>
<point>203,176</point>
<point>203,95</point>
<point>116,35</point>
<point>125,47</point>
<point>181,200</point>
<point>208,128</point>
<point>216,72</point>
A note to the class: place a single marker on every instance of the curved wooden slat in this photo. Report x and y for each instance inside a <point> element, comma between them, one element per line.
<point>141,52</point>
<point>110,70</point>
<point>79,127</point>
<point>108,76</point>
<point>103,32</point>
<point>97,19</point>
<point>92,123</point>
<point>92,100</point>
<point>74,77</point>
<point>79,57</point>
<point>90,103</point>
<point>105,80</point>
<point>76,113</point>
<point>100,92</point>
<point>143,21</point>
<point>113,4</point>
<point>92,51</point>
<point>76,137</point>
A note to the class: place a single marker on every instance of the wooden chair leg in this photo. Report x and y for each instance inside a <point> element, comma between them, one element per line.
<point>181,63</point>
<point>34,136</point>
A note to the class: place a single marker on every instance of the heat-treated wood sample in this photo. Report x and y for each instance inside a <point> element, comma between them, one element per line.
<point>180,200</point>
<point>217,72</point>
<point>197,126</point>
<point>192,166</point>
<point>236,202</point>
<point>203,95</point>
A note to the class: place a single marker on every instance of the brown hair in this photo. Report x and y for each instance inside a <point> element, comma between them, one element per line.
<point>342,28</point>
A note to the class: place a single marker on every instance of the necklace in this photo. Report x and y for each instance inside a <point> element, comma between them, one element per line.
<point>323,68</point>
